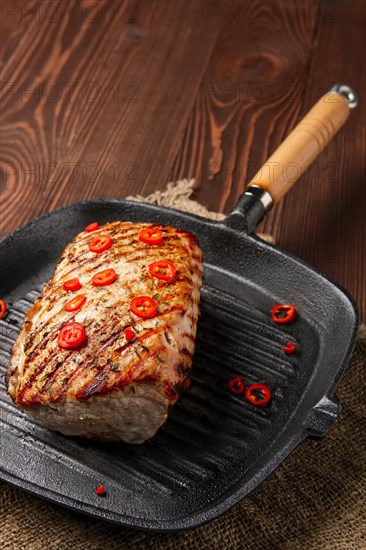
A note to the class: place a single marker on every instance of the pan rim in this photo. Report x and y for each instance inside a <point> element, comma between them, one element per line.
<point>187,522</point>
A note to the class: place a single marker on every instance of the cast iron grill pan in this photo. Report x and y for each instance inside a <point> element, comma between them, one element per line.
<point>215,447</point>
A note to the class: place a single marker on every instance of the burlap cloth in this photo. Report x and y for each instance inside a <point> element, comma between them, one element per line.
<point>315,500</point>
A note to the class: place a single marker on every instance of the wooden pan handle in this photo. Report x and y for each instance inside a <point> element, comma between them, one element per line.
<point>305,142</point>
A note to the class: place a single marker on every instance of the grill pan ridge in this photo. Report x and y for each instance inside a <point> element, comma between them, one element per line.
<point>215,447</point>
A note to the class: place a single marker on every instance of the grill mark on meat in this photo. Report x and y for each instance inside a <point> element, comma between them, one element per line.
<point>148,378</point>
<point>120,244</point>
<point>38,347</point>
<point>51,375</point>
<point>91,301</point>
<point>104,345</point>
<point>121,380</point>
<point>43,365</point>
<point>68,319</point>
<point>24,397</point>
<point>90,359</point>
<point>88,362</point>
<point>118,237</point>
<point>86,238</point>
<point>95,387</point>
<point>180,308</point>
<point>119,231</point>
<point>92,267</point>
<point>166,284</point>
<point>116,232</point>
<point>136,257</point>
<point>46,337</point>
<point>107,259</point>
<point>71,259</point>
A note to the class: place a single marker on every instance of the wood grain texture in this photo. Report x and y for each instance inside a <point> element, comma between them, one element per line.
<point>251,96</point>
<point>86,96</point>
<point>109,98</point>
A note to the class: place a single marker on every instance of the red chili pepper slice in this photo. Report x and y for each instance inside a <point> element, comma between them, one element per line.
<point>92,227</point>
<point>100,490</point>
<point>258,394</point>
<point>236,385</point>
<point>151,236</point>
<point>283,313</point>
<point>72,336</point>
<point>72,285</point>
<point>76,303</point>
<point>164,270</point>
<point>130,335</point>
<point>100,244</point>
<point>2,308</point>
<point>289,348</point>
<point>143,306</point>
<point>104,278</point>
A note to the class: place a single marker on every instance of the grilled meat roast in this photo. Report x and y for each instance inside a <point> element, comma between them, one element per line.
<point>106,348</point>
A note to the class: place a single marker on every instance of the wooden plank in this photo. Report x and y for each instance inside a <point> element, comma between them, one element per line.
<point>13,20</point>
<point>101,100</point>
<point>250,97</point>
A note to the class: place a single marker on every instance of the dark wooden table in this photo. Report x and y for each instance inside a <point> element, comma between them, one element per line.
<point>108,98</point>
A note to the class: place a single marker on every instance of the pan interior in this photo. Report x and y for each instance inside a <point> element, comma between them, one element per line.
<point>211,437</point>
<point>215,446</point>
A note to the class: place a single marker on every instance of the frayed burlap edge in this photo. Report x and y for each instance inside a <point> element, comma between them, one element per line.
<point>177,194</point>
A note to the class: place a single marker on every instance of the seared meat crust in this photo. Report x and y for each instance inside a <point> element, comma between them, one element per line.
<point>111,388</point>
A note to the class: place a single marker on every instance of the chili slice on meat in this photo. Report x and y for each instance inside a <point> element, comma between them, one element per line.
<point>143,306</point>
<point>72,285</point>
<point>151,236</point>
<point>100,244</point>
<point>72,336</point>
<point>104,278</point>
<point>2,308</point>
<point>130,335</point>
<point>76,303</point>
<point>163,269</point>
<point>258,394</point>
<point>92,227</point>
<point>283,313</point>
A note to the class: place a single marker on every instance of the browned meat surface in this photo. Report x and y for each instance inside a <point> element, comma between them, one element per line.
<point>110,387</point>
